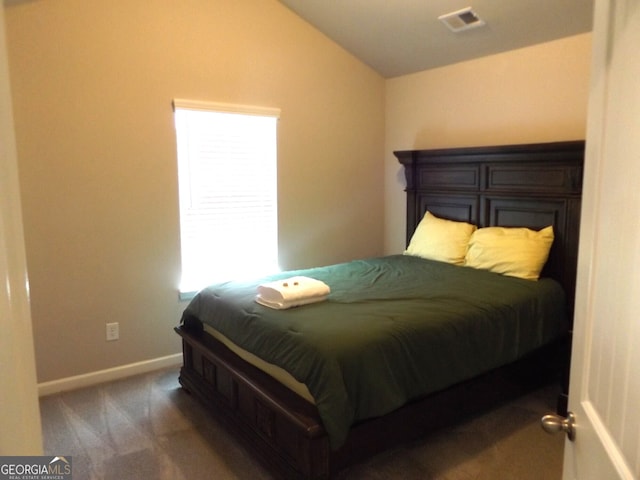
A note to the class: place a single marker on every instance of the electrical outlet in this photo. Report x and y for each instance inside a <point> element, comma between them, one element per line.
<point>113,331</point>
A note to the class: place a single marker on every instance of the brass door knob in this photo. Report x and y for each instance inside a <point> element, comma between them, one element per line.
<point>556,423</point>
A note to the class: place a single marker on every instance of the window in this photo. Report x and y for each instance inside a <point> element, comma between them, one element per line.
<point>227,179</point>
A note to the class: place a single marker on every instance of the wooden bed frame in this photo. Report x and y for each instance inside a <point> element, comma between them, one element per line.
<point>518,185</point>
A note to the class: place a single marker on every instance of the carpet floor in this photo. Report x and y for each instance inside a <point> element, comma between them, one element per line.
<point>147,427</point>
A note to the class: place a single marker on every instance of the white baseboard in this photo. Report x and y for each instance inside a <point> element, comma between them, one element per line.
<point>101,376</point>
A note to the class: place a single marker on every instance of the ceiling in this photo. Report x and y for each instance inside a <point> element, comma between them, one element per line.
<point>399,37</point>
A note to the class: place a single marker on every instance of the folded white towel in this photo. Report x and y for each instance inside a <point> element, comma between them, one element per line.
<point>292,292</point>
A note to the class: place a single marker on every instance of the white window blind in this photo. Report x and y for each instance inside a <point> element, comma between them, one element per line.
<point>227,175</point>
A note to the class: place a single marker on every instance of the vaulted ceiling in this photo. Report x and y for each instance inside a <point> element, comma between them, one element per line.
<point>398,37</point>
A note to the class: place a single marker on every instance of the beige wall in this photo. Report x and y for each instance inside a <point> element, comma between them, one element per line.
<point>92,88</point>
<point>534,94</point>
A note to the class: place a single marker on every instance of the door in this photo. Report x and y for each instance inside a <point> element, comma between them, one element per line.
<point>604,393</point>
<point>19,412</point>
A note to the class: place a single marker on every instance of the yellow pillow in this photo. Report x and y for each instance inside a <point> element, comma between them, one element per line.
<point>439,239</point>
<point>518,252</point>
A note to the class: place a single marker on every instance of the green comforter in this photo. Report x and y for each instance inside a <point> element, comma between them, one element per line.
<point>393,328</point>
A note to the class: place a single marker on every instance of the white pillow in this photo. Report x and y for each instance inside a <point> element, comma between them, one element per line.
<point>518,252</point>
<point>439,239</point>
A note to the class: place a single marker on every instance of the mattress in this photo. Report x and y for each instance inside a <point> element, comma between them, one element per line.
<point>274,371</point>
<point>393,329</point>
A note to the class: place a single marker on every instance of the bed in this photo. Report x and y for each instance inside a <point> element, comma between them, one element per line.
<point>309,407</point>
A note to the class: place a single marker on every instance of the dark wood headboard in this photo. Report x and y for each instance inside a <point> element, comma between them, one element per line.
<point>532,185</point>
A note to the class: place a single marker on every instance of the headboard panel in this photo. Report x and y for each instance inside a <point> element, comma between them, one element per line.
<point>532,185</point>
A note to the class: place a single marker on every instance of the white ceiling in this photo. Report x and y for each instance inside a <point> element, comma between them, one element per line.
<point>398,37</point>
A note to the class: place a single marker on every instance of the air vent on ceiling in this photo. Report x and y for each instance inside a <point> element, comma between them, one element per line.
<point>459,20</point>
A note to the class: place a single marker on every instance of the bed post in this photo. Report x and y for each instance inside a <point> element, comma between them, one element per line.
<point>407,160</point>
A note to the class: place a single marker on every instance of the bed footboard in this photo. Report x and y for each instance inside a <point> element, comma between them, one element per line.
<point>282,429</point>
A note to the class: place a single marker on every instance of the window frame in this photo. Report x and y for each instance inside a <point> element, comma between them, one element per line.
<point>188,288</point>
